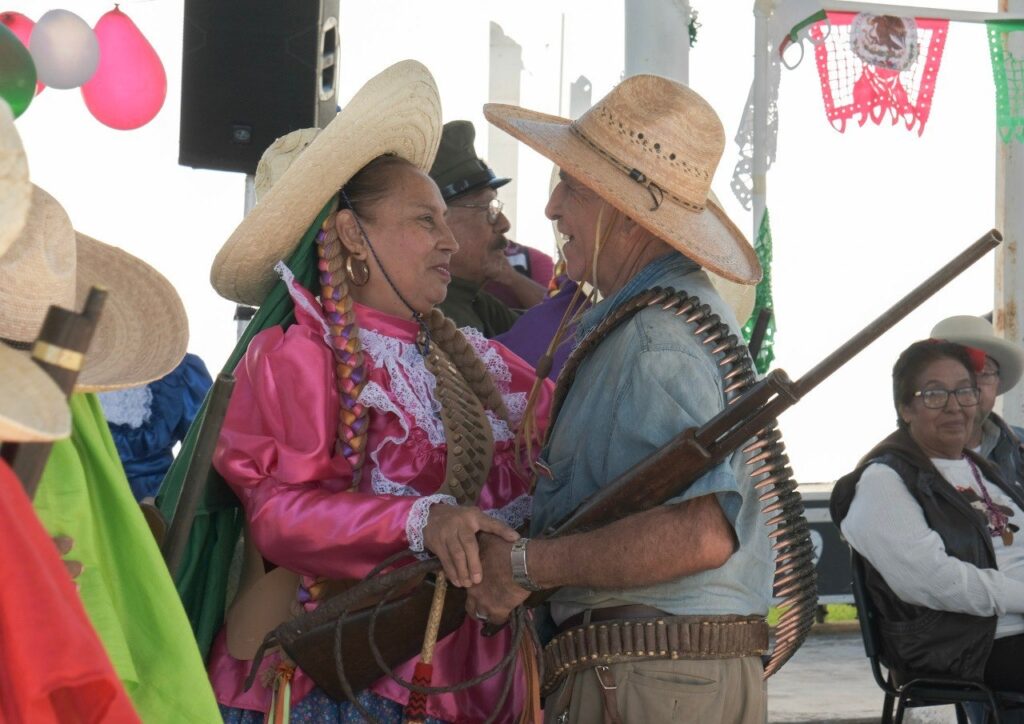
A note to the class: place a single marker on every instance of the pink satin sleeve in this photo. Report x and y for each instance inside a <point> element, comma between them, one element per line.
<point>276,451</point>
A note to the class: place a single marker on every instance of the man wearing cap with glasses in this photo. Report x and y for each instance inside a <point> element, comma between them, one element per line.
<point>999,365</point>
<point>469,187</point>
<point>659,615</point>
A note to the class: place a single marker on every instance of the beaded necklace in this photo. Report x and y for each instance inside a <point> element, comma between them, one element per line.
<point>998,521</point>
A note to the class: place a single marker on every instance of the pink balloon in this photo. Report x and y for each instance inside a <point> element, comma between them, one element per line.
<point>130,84</point>
<point>21,26</point>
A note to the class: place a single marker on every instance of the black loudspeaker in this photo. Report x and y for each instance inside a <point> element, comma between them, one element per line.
<point>254,70</point>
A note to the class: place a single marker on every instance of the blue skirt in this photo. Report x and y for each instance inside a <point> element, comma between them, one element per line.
<point>318,708</point>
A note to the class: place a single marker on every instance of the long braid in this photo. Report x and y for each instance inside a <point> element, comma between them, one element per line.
<point>444,333</point>
<point>350,370</point>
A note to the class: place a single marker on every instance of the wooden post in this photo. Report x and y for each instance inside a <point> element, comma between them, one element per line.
<point>60,350</point>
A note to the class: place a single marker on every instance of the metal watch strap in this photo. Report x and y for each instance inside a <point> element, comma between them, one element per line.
<point>519,572</point>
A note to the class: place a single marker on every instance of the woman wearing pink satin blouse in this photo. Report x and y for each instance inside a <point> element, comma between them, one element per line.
<point>334,439</point>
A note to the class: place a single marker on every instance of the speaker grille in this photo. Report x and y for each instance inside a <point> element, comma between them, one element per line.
<point>253,70</point>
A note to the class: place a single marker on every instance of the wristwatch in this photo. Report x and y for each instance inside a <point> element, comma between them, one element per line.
<point>519,572</point>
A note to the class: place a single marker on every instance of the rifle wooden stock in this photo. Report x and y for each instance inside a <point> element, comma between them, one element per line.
<point>59,349</point>
<point>671,471</point>
<point>194,484</point>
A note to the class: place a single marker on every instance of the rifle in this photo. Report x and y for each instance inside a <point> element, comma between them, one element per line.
<point>59,349</point>
<point>314,639</point>
<point>671,470</point>
<point>194,485</point>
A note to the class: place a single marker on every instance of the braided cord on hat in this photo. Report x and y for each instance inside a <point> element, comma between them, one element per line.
<point>350,369</point>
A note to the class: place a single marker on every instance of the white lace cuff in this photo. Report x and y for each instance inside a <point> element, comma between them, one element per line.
<point>418,517</point>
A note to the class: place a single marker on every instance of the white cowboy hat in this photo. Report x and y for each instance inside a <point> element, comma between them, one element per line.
<point>650,148</point>
<point>978,332</point>
<point>143,330</point>
<point>397,112</point>
<point>15,189</point>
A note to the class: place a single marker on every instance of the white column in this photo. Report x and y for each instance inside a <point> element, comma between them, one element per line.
<point>506,67</point>
<point>658,38</point>
<point>1009,291</point>
<point>243,314</point>
<point>759,163</point>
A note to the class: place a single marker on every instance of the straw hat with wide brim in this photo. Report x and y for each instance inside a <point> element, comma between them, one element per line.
<point>740,297</point>
<point>649,148</point>
<point>397,112</point>
<point>15,189</point>
<point>978,332</point>
<point>143,330</point>
<point>32,407</point>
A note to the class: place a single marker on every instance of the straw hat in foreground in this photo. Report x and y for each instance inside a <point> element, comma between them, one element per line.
<point>32,407</point>
<point>397,112</point>
<point>15,189</point>
<point>143,331</point>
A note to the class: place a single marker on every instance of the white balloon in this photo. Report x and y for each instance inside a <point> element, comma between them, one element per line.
<point>64,49</point>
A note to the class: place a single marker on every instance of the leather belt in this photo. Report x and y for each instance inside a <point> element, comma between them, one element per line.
<point>617,641</point>
<point>633,610</point>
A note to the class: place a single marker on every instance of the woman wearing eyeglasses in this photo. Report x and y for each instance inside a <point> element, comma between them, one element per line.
<point>939,530</point>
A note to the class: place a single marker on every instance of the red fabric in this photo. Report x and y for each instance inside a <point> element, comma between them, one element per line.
<point>977,358</point>
<point>52,665</point>
<point>851,86</point>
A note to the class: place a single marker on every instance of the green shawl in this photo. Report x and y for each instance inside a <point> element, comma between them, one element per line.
<point>203,578</point>
<point>124,584</point>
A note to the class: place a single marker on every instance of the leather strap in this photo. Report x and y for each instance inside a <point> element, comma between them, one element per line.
<point>609,700</point>
<point>609,613</point>
<point>649,639</point>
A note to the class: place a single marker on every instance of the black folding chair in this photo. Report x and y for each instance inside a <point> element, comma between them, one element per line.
<point>922,691</point>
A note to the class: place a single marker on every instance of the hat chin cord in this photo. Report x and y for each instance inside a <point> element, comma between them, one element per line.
<point>423,338</point>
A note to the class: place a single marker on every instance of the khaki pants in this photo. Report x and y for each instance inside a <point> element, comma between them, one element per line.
<point>711,691</point>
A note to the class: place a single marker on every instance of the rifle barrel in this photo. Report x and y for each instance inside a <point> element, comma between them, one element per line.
<point>896,312</point>
<point>194,485</point>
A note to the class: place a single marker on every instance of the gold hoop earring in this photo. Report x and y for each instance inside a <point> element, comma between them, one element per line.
<point>358,270</point>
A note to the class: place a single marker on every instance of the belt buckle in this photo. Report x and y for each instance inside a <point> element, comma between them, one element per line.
<point>602,669</point>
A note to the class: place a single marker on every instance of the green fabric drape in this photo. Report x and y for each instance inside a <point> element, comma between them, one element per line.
<point>1008,74</point>
<point>763,300</point>
<point>124,584</point>
<point>203,578</point>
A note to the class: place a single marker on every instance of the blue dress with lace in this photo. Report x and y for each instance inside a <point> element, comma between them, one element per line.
<point>147,422</point>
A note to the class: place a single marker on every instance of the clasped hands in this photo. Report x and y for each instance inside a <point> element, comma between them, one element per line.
<point>474,550</point>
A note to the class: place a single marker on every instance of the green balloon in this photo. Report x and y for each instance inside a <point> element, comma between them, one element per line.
<point>17,72</point>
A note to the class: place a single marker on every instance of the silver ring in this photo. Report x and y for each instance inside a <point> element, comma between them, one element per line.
<point>480,617</point>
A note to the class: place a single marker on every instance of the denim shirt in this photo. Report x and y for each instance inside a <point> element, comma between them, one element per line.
<point>646,382</point>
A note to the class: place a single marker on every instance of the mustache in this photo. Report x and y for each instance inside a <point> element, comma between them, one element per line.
<point>502,242</point>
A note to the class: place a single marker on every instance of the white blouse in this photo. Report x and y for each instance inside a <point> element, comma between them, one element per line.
<point>887,526</point>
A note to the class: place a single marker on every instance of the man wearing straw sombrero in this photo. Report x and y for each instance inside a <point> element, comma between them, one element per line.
<point>83,493</point>
<point>633,205</point>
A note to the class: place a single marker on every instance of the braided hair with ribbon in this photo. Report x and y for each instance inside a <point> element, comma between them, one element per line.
<point>359,195</point>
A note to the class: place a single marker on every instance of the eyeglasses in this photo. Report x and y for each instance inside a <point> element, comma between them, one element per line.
<point>937,398</point>
<point>494,208</point>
